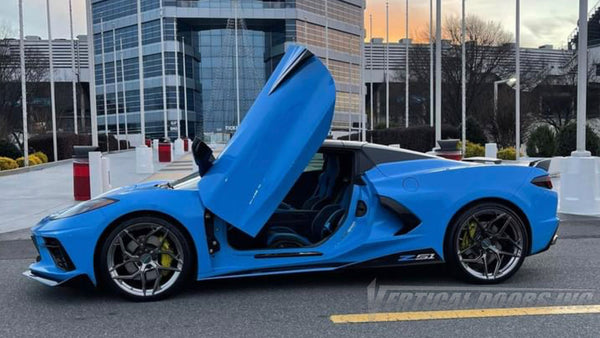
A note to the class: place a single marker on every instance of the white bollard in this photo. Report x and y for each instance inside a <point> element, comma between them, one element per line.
<point>580,186</point>
<point>155,147</point>
<point>179,147</point>
<point>144,163</point>
<point>96,181</point>
<point>106,174</point>
<point>491,150</point>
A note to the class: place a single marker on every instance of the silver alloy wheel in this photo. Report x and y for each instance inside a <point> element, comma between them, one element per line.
<point>145,259</point>
<point>490,243</point>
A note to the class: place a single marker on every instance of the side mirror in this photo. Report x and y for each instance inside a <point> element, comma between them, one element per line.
<point>203,156</point>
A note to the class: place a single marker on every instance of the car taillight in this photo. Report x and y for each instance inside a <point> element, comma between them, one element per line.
<point>543,182</point>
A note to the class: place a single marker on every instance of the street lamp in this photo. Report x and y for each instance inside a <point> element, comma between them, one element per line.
<point>511,82</point>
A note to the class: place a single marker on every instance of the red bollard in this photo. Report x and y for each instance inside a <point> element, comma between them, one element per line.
<point>81,172</point>
<point>164,152</point>
<point>81,180</point>
<point>186,145</point>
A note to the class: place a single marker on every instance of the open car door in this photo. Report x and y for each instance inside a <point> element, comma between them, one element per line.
<point>281,132</point>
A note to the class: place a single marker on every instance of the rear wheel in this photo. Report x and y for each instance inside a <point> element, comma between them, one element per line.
<point>487,244</point>
<point>145,259</point>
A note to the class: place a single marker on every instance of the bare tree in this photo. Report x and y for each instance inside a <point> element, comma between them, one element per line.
<point>11,121</point>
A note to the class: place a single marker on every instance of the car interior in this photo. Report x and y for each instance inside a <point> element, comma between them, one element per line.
<point>313,209</point>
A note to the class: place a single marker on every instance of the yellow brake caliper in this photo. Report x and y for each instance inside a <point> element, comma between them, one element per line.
<point>165,259</point>
<point>469,234</point>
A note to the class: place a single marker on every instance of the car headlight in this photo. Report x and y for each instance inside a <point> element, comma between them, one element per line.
<point>84,207</point>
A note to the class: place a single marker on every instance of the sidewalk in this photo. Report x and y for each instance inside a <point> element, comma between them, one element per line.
<point>28,197</point>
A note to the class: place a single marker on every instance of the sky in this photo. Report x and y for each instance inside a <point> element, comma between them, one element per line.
<point>542,21</point>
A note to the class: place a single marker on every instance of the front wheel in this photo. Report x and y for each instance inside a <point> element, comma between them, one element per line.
<point>487,244</point>
<point>145,259</point>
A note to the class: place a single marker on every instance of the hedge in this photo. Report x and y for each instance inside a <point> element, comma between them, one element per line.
<point>7,163</point>
<point>507,154</point>
<point>541,142</point>
<point>418,138</point>
<point>566,142</point>
<point>33,160</point>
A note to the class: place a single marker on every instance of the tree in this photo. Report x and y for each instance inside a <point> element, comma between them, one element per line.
<point>556,93</point>
<point>487,50</point>
<point>11,120</point>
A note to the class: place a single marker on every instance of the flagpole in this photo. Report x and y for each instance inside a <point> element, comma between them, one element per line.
<point>438,71</point>
<point>582,68</point>
<point>52,89</point>
<point>327,33</point>
<point>387,65</point>
<point>141,72</point>
<point>407,70</point>
<point>23,86</point>
<point>124,93</point>
<point>73,69</point>
<point>185,103</point>
<point>518,83</point>
<point>177,77</point>
<point>116,89</point>
<point>92,72</point>
<point>431,81</point>
<point>363,118</point>
<point>164,76</point>
<point>237,65</point>
<point>371,68</point>
<point>464,82</point>
<point>104,85</point>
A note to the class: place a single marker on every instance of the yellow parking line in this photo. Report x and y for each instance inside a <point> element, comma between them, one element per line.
<point>460,314</point>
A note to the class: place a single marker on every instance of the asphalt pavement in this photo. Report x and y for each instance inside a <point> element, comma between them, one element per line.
<point>302,305</point>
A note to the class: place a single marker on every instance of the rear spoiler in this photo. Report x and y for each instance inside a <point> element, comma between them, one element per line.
<point>203,156</point>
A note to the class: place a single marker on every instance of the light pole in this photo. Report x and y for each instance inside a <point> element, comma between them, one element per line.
<point>463,83</point>
<point>518,81</point>
<point>124,93</point>
<point>23,86</point>
<point>438,70</point>
<point>52,90</point>
<point>511,83</point>
<point>73,74</point>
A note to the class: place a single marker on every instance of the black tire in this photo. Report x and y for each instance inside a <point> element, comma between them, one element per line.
<point>181,254</point>
<point>474,250</point>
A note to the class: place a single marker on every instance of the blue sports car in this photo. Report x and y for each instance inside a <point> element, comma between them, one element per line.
<point>280,199</point>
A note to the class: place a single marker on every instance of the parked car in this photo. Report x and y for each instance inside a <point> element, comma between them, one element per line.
<point>280,199</point>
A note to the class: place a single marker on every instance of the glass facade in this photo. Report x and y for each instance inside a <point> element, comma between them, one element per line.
<point>213,80</point>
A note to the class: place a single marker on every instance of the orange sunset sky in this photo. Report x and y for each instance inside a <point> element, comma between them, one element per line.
<point>542,21</point>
